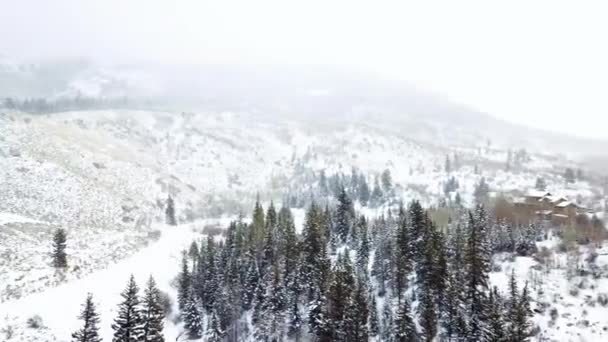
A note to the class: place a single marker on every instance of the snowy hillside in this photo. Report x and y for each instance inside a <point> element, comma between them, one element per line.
<point>104,176</point>
<point>99,171</point>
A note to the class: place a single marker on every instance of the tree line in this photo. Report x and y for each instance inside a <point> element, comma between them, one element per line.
<point>345,277</point>
<point>45,105</point>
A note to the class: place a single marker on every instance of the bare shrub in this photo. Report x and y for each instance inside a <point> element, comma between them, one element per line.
<point>553,314</point>
<point>543,256</point>
<point>8,332</point>
<point>154,234</point>
<point>574,291</point>
<point>34,322</point>
<point>602,299</point>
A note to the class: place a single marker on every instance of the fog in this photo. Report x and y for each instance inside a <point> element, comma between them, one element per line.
<point>541,65</point>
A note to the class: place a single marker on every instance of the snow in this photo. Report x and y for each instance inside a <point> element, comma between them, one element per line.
<point>6,218</point>
<point>558,285</point>
<point>537,193</point>
<point>102,174</point>
<point>59,307</point>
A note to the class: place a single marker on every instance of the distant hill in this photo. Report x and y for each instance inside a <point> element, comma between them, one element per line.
<point>314,95</point>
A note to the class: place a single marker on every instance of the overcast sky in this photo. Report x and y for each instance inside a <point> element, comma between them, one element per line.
<point>540,63</point>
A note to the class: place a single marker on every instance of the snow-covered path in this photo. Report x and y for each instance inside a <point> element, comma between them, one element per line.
<point>59,307</point>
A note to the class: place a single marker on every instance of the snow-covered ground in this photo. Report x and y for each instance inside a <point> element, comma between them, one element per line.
<point>569,290</point>
<point>104,176</point>
<point>6,218</point>
<point>60,306</point>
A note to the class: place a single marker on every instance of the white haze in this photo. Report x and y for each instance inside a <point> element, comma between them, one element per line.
<point>542,64</point>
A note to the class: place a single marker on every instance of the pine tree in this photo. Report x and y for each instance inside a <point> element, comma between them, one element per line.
<point>520,326</point>
<point>477,265</point>
<point>339,298</point>
<point>268,252</point>
<point>344,216</point>
<point>192,317</point>
<point>403,254</point>
<point>418,225</point>
<point>481,192</point>
<point>454,309</point>
<point>128,325</point>
<point>270,324</point>
<point>211,275</point>
<point>428,316</point>
<point>193,253</point>
<point>389,329</point>
<point>318,320</point>
<point>458,199</point>
<point>405,329</point>
<point>496,328</point>
<point>377,195</point>
<point>323,183</point>
<point>258,224</point>
<point>512,305</point>
<point>184,284</point>
<point>291,252</point>
<point>364,247</point>
<point>430,279</point>
<point>374,324</point>
<point>358,314</point>
<point>295,321</point>
<point>152,314</point>
<point>214,332</point>
<point>381,264</point>
<point>250,284</point>
<point>59,245</point>
<point>364,192</point>
<point>221,307</point>
<point>170,212</point>
<point>89,332</point>
<point>387,181</point>
<point>354,183</point>
<point>314,262</point>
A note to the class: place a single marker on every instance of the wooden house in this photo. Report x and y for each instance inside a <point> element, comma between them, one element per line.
<point>534,197</point>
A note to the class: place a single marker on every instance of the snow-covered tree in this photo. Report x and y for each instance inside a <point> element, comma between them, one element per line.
<point>59,245</point>
<point>128,326</point>
<point>170,212</point>
<point>153,315</point>
<point>90,331</point>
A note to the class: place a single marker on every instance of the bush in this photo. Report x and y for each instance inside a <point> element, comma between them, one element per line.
<point>154,234</point>
<point>34,322</point>
<point>591,258</point>
<point>8,332</point>
<point>602,299</point>
<point>543,256</point>
<point>554,314</point>
<point>583,284</point>
<point>574,292</point>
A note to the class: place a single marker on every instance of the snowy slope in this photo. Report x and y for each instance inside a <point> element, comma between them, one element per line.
<point>104,176</point>
<point>59,307</point>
